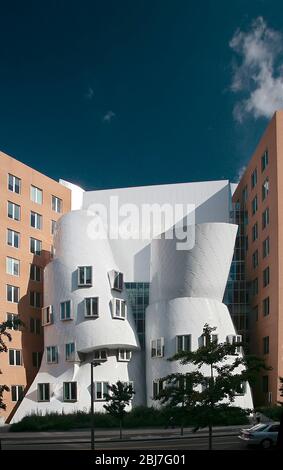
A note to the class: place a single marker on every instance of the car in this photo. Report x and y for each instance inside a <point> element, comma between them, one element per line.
<point>263,434</point>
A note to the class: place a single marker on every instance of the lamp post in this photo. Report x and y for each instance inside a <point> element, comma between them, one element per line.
<point>92,365</point>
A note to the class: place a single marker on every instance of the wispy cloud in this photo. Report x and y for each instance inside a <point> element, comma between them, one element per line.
<point>259,75</point>
<point>89,94</point>
<point>108,116</point>
<point>240,173</point>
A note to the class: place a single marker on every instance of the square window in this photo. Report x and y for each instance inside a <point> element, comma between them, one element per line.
<point>14,184</point>
<point>12,266</point>
<point>36,220</point>
<point>14,211</point>
<point>36,194</point>
<point>35,246</point>
<point>13,238</point>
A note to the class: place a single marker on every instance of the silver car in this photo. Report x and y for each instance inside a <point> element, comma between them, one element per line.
<point>264,435</point>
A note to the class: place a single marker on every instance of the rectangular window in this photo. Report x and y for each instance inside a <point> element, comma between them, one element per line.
<point>254,178</point>
<point>183,343</point>
<point>255,259</point>
<point>14,211</point>
<point>70,351</point>
<point>35,273</point>
<point>265,247</point>
<point>100,355</point>
<point>266,306</point>
<point>35,325</point>
<point>84,276</point>
<point>91,306</point>
<point>255,286</point>
<point>100,390</point>
<point>15,357</point>
<point>266,276</point>
<point>35,246</point>
<point>264,160</point>
<point>266,345</point>
<point>157,347</point>
<point>13,294</point>
<point>52,354</point>
<point>36,359</point>
<point>47,315</point>
<point>35,299</point>
<point>43,392</point>
<point>12,318</point>
<point>12,266</point>
<point>265,385</point>
<point>157,387</point>
<point>17,392</point>
<point>57,204</point>
<point>119,308</point>
<point>53,226</point>
<point>265,218</point>
<point>65,310</point>
<point>213,338</point>
<point>118,281</point>
<point>13,238</point>
<point>70,391</point>
<point>14,184</point>
<point>36,194</point>
<point>265,189</point>
<point>255,232</point>
<point>36,220</point>
<point>124,355</point>
<point>254,205</point>
<point>235,339</point>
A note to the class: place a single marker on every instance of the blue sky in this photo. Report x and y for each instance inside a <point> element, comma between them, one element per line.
<point>133,92</point>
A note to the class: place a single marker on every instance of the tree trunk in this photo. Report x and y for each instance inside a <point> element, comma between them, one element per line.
<point>121,429</point>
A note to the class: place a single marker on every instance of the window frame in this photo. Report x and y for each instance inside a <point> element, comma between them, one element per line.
<point>64,310</point>
<point>122,308</point>
<point>44,392</point>
<point>84,283</point>
<point>36,192</point>
<point>90,299</point>
<point>16,210</point>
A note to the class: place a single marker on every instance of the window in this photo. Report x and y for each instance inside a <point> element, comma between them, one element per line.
<point>255,312</point>
<point>213,338</point>
<point>254,205</point>
<point>266,345</point>
<point>266,306</point>
<point>36,359</point>
<point>70,351</point>
<point>57,204</point>
<point>36,194</point>
<point>14,184</point>
<point>13,294</point>
<point>35,246</point>
<point>13,238</point>
<point>241,388</point>
<point>15,357</point>
<point>264,160</point>
<point>14,211</point>
<point>245,194</point>
<point>12,318</point>
<point>116,279</point>
<point>265,218</point>
<point>12,266</point>
<point>52,354</point>
<point>100,390</point>
<point>183,343</point>
<point>265,189</point>
<point>265,385</point>
<point>47,315</point>
<point>84,276</point>
<point>119,308</point>
<point>254,178</point>
<point>157,347</point>
<point>266,276</point>
<point>157,387</point>
<point>255,232</point>
<point>124,355</point>
<point>255,286</point>
<point>35,325</point>
<point>65,310</point>
<point>70,391</point>
<point>100,355</point>
<point>43,392</point>
<point>234,339</point>
<point>35,273</point>
<point>17,392</point>
<point>35,220</point>
<point>53,226</point>
<point>35,299</point>
<point>265,247</point>
<point>91,306</point>
<point>255,259</point>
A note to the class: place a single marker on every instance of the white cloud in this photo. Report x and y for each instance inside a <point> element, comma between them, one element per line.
<point>240,173</point>
<point>108,116</point>
<point>260,74</point>
<point>89,94</point>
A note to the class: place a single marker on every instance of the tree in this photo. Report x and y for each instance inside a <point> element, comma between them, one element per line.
<point>5,335</point>
<point>210,390</point>
<point>119,397</point>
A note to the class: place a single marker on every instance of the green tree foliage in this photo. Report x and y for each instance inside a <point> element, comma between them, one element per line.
<point>119,396</point>
<point>220,374</point>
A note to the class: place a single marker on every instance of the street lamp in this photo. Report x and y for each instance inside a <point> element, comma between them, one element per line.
<point>92,365</point>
